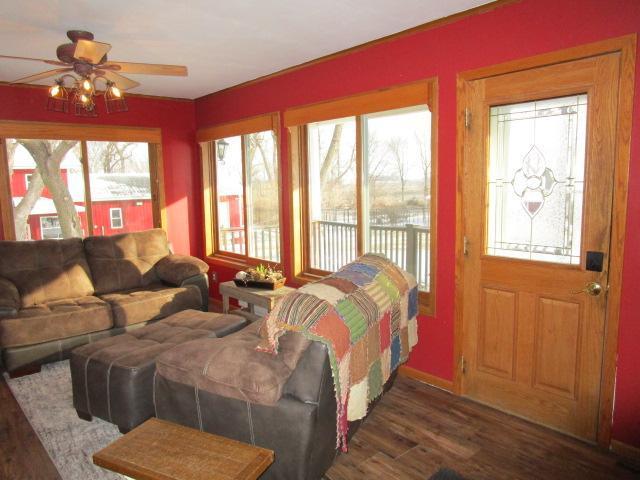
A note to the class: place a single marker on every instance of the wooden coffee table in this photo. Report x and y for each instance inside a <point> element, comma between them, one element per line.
<point>266,299</point>
<point>161,450</point>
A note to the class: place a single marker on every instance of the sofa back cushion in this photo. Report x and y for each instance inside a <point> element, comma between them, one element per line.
<point>46,270</point>
<point>125,261</point>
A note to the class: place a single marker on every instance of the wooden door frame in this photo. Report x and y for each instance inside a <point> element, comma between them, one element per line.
<point>626,46</point>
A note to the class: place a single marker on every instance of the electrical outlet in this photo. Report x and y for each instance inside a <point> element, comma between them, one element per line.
<point>214,276</point>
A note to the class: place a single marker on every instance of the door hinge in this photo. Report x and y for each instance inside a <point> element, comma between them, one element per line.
<point>463,365</point>
<point>467,118</point>
<point>465,246</point>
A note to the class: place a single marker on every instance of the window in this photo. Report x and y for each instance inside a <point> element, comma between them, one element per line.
<point>120,179</point>
<point>116,218</point>
<point>242,195</point>
<point>363,178</point>
<point>69,185</point>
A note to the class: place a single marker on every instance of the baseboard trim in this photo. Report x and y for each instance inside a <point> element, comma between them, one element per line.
<point>425,377</point>
<point>627,452</point>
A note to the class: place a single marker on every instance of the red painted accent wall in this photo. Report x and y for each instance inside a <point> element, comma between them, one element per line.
<point>175,118</point>
<point>518,30</point>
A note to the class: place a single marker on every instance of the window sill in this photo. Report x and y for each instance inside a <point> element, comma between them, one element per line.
<point>227,262</point>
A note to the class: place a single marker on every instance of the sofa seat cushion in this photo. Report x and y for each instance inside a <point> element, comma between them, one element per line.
<point>54,321</point>
<point>46,270</point>
<point>151,303</point>
<point>231,366</point>
<point>125,261</point>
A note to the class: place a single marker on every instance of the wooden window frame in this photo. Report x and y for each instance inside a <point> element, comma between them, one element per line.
<point>206,138</point>
<point>82,134</point>
<point>424,92</point>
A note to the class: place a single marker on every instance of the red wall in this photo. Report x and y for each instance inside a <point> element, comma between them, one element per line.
<point>510,32</point>
<point>175,118</point>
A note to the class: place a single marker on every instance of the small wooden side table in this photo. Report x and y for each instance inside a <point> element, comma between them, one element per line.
<point>161,450</point>
<point>266,299</point>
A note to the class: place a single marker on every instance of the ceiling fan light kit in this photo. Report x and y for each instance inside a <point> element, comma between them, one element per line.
<point>81,65</point>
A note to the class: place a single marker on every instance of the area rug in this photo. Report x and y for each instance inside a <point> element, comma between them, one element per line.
<point>46,400</point>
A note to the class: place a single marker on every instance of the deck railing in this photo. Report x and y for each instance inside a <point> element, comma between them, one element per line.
<point>333,244</point>
<point>265,242</point>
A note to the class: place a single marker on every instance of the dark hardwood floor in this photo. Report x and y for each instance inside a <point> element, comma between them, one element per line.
<point>416,429</point>
<point>413,431</point>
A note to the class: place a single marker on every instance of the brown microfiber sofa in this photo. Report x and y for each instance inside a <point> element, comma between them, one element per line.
<point>58,294</point>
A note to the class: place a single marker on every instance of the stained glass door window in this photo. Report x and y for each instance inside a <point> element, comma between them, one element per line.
<point>535,183</point>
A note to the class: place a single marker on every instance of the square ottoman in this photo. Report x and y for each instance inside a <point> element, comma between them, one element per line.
<point>112,378</point>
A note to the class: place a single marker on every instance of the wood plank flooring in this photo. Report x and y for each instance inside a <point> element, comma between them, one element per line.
<point>413,431</point>
<point>416,429</point>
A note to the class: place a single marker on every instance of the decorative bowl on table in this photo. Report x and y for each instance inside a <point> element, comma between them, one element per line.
<point>262,276</point>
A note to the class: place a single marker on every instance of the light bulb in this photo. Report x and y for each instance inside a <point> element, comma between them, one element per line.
<point>84,98</point>
<point>116,91</point>
<point>86,85</point>
<point>54,91</point>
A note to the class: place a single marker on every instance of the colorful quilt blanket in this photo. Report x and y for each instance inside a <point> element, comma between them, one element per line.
<point>365,314</point>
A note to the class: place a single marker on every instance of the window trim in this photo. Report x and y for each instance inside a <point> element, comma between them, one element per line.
<point>27,180</point>
<point>120,218</point>
<point>206,138</point>
<point>82,134</point>
<point>424,92</point>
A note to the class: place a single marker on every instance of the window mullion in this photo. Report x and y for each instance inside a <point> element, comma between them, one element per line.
<point>360,207</point>
<point>243,148</point>
<point>84,160</point>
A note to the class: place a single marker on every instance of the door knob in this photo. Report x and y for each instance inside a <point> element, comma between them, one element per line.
<point>592,288</point>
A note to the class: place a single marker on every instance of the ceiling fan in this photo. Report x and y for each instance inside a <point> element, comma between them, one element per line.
<point>87,59</point>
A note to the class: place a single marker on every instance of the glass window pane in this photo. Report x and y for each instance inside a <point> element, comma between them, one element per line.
<point>229,194</point>
<point>263,207</point>
<point>332,193</point>
<point>397,190</point>
<point>47,188</point>
<point>120,180</point>
<point>536,179</point>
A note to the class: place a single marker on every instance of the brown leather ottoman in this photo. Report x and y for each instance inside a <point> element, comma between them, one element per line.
<point>113,378</point>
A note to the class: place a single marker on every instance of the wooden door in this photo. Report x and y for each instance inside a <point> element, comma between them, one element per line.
<point>539,150</point>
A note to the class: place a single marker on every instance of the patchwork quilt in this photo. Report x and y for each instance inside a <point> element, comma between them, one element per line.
<point>365,314</point>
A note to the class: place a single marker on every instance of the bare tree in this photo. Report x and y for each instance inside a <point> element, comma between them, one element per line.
<point>424,154</point>
<point>331,157</point>
<point>257,143</point>
<point>396,146</point>
<point>48,156</point>
<point>113,157</point>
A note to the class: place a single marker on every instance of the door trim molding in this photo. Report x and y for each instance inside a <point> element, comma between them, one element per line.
<point>626,46</point>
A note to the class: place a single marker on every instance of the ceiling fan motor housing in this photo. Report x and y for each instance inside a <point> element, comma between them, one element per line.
<point>66,51</point>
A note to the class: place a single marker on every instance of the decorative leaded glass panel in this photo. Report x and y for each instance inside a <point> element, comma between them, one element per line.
<point>536,179</point>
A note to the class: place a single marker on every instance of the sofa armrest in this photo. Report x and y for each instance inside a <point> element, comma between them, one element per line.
<point>9,298</point>
<point>175,269</point>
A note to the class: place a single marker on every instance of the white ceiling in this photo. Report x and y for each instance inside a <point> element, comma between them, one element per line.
<point>222,43</point>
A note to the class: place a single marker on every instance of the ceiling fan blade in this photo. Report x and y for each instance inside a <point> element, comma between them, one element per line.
<point>41,75</point>
<point>90,51</point>
<point>49,62</point>
<point>123,83</point>
<point>147,68</point>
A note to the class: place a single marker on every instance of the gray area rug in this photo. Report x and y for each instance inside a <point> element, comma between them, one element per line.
<point>46,400</point>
